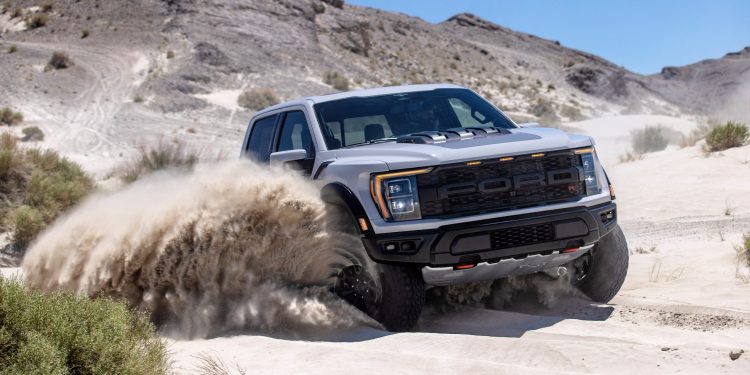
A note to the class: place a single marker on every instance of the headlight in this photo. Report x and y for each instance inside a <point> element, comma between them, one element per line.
<point>590,171</point>
<point>396,194</point>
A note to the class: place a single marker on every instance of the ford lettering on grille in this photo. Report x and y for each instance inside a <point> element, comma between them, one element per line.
<point>494,185</point>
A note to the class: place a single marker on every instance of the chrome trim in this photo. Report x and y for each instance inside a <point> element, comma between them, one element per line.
<point>442,276</point>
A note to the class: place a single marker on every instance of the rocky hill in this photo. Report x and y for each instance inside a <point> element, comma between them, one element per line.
<point>138,71</point>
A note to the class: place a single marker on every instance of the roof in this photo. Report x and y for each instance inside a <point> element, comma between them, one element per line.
<point>363,93</point>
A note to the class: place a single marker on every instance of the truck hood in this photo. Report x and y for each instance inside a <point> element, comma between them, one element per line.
<point>520,141</point>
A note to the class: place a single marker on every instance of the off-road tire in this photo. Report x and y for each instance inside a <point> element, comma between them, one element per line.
<point>401,299</point>
<point>401,293</point>
<point>609,265</point>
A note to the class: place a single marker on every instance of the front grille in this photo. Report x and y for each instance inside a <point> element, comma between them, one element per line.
<point>461,189</point>
<point>521,236</point>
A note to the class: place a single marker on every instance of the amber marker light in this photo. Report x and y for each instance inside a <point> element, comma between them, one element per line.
<point>473,163</point>
<point>376,187</point>
<point>507,158</point>
<point>539,155</point>
<point>363,224</point>
<point>584,151</point>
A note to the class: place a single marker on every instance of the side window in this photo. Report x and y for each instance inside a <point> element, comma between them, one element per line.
<point>261,137</point>
<point>295,134</point>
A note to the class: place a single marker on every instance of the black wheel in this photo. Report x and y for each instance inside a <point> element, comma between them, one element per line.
<point>391,294</point>
<point>601,273</point>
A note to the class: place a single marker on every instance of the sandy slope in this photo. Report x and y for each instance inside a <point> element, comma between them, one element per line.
<point>681,309</point>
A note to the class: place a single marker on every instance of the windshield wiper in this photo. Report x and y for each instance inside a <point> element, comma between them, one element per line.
<point>372,141</point>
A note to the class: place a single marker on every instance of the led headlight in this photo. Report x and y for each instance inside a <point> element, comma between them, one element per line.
<point>590,174</point>
<point>396,194</point>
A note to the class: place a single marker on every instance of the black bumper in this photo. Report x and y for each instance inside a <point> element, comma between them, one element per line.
<point>490,240</point>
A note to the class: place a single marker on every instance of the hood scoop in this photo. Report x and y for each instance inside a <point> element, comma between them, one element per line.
<point>448,135</point>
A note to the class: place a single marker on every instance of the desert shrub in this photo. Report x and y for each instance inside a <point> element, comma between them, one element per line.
<point>544,110</point>
<point>572,113</point>
<point>335,3</point>
<point>12,49</point>
<point>85,33</point>
<point>59,60</point>
<point>722,137</point>
<point>32,134</point>
<point>36,186</point>
<point>161,157</point>
<point>170,54</point>
<point>258,98</point>
<point>336,80</point>
<point>745,249</point>
<point>10,117</point>
<point>648,139</point>
<point>46,6</point>
<point>36,20</point>
<point>138,99</point>
<point>17,12</point>
<point>67,334</point>
<point>700,132</point>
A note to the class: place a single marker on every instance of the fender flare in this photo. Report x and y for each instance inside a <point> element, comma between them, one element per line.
<point>339,194</point>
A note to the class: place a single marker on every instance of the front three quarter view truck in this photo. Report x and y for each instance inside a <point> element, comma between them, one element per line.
<point>443,188</point>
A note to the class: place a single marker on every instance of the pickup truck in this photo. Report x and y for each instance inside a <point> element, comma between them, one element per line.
<point>443,188</point>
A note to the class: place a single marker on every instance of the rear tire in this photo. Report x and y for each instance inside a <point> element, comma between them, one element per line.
<point>602,277</point>
<point>394,297</point>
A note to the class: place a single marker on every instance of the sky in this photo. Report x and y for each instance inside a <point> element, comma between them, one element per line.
<point>643,36</point>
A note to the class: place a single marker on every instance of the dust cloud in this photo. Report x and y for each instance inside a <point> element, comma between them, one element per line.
<point>227,247</point>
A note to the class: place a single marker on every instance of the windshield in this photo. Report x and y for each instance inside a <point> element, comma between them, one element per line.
<point>357,121</point>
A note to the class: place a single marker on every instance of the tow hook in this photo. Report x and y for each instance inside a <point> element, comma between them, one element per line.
<point>555,272</point>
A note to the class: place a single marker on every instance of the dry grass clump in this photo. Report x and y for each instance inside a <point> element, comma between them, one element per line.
<point>258,98</point>
<point>162,157</point>
<point>36,20</point>
<point>648,139</point>
<point>17,12</point>
<point>728,135</point>
<point>10,117</point>
<point>544,110</point>
<point>336,80</point>
<point>67,334</point>
<point>59,60</point>
<point>36,186</point>
<point>743,260</point>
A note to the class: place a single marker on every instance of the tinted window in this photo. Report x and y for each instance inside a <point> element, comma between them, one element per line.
<point>295,134</point>
<point>261,137</point>
<point>353,121</point>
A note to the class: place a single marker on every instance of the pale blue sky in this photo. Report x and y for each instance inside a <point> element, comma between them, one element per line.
<point>641,35</point>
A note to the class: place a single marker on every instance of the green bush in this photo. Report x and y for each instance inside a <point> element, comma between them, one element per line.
<point>258,98</point>
<point>648,139</point>
<point>722,137</point>
<point>66,334</point>
<point>32,134</point>
<point>10,117</point>
<point>336,80</point>
<point>12,49</point>
<point>163,156</point>
<point>36,186</point>
<point>36,20</point>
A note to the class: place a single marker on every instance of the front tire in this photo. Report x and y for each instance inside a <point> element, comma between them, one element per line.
<point>601,273</point>
<point>394,296</point>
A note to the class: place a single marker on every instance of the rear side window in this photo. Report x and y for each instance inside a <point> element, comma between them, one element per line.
<point>295,134</point>
<point>261,138</point>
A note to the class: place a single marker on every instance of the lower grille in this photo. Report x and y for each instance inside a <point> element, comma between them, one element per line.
<point>521,236</point>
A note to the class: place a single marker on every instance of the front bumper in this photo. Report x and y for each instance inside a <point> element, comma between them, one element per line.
<point>493,240</point>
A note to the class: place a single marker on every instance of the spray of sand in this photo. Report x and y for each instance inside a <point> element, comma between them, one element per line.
<point>229,246</point>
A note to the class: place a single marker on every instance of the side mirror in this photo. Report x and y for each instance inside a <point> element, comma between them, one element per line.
<point>530,125</point>
<point>283,157</point>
